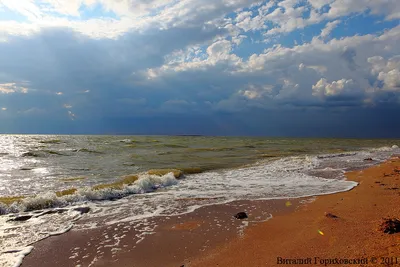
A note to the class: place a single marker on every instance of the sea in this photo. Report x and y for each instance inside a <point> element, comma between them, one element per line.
<point>50,182</point>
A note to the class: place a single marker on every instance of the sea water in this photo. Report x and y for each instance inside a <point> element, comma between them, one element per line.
<point>49,178</point>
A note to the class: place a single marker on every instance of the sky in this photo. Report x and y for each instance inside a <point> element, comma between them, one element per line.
<point>316,68</point>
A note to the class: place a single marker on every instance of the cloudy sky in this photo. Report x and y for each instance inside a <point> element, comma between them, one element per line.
<point>217,67</point>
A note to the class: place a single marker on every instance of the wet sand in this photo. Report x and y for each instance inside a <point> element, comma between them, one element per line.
<point>160,241</point>
<point>210,236</point>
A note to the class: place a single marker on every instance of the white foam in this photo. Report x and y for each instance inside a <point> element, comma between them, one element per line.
<point>386,148</point>
<point>15,259</point>
<point>18,237</point>
<point>280,179</point>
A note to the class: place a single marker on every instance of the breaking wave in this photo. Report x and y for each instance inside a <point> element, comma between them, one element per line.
<point>144,184</point>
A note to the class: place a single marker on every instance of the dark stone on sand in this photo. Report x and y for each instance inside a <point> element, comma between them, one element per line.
<point>330,215</point>
<point>390,226</point>
<point>241,215</point>
<point>21,218</point>
<point>368,159</point>
<point>82,210</point>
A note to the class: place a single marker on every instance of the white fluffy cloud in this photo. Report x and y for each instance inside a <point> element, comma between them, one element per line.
<point>323,88</point>
<point>387,71</point>
<point>255,92</point>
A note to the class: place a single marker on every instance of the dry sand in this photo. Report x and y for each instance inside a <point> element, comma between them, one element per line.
<point>211,237</point>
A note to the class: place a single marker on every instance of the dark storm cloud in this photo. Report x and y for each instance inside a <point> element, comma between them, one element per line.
<point>61,60</point>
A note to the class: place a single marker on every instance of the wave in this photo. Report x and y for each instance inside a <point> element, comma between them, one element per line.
<point>211,149</point>
<point>298,150</point>
<point>86,150</point>
<point>385,148</point>
<point>52,141</point>
<point>41,153</point>
<point>144,184</point>
<point>340,155</point>
<point>270,155</point>
<point>130,184</point>
<point>73,179</point>
<point>30,154</point>
<point>172,145</point>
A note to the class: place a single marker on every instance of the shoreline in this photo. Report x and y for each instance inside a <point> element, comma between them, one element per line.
<point>174,239</point>
<point>209,236</point>
<point>314,231</point>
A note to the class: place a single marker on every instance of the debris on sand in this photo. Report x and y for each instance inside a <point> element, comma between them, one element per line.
<point>241,215</point>
<point>330,215</point>
<point>390,226</point>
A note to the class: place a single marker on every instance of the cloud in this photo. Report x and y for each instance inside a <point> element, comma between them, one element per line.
<point>10,88</point>
<point>323,88</point>
<point>349,54</point>
<point>386,71</point>
<point>99,60</point>
<point>256,92</point>
<point>389,8</point>
<point>318,4</point>
<point>329,27</point>
<point>290,15</point>
<point>130,16</point>
<point>335,68</point>
<point>27,8</point>
<point>391,79</point>
<point>67,8</point>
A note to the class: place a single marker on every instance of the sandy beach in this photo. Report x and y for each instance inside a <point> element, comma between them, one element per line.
<point>354,234</point>
<point>342,226</point>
